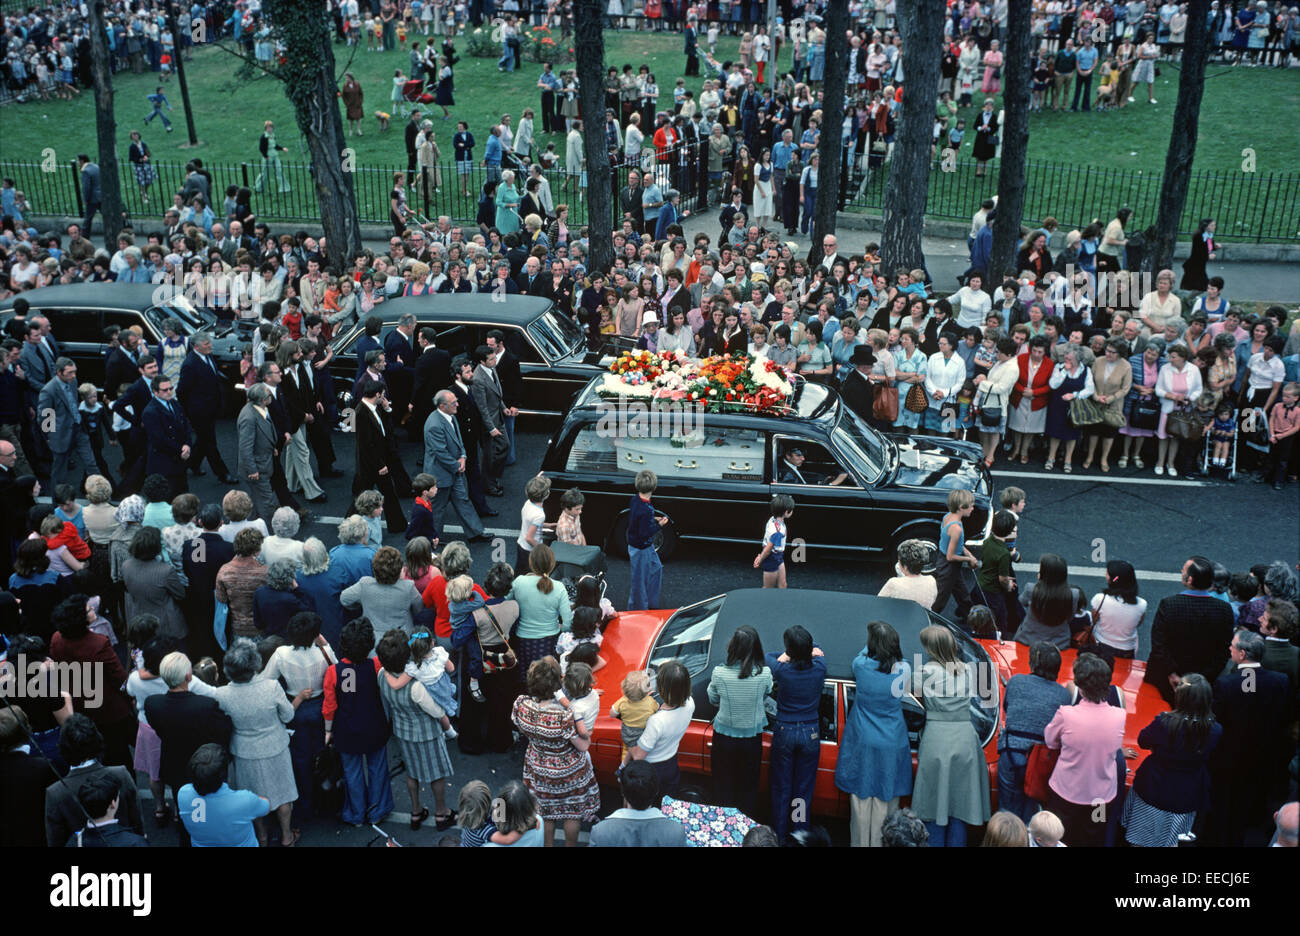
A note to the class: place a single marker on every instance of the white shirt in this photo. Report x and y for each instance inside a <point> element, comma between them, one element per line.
<point>944,376</point>
<point>1263,373</point>
<point>974,307</point>
<point>1118,621</point>
<point>374,409</point>
<point>664,731</point>
<point>530,515</point>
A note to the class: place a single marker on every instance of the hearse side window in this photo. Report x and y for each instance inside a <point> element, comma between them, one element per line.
<point>687,637</point>
<point>125,320</point>
<point>80,326</point>
<point>592,451</point>
<point>820,467</point>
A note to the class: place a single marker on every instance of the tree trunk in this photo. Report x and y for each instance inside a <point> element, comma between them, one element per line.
<point>309,83</point>
<point>178,62</point>
<point>830,149</point>
<point>1182,139</point>
<point>921,24</point>
<point>105,127</point>
<point>1017,72</point>
<point>589,43</point>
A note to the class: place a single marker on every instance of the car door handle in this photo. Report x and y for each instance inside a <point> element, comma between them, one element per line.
<point>635,459</point>
<point>740,466</point>
<point>684,465</point>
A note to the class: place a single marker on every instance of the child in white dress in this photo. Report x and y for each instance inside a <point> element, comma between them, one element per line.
<point>431,665</point>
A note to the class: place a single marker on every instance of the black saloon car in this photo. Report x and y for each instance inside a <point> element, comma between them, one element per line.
<point>717,480</point>
<point>80,313</point>
<point>551,349</point>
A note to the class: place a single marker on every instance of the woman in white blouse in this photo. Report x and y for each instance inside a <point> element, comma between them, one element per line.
<point>993,392</point>
<point>676,335</point>
<point>1160,307</point>
<point>1178,384</point>
<point>632,139</point>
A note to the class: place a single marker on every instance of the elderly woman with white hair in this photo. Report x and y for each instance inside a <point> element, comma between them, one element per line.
<point>259,710</point>
<point>279,599</point>
<point>236,506</point>
<point>911,582</point>
<point>1178,386</point>
<point>1160,306</point>
<point>353,555</point>
<point>281,543</point>
<point>321,581</point>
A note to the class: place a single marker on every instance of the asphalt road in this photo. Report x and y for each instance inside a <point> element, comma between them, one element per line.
<point>1085,517</point>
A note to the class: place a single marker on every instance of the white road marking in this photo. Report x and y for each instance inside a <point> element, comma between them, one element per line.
<point>1100,572</point>
<point>447,528</point>
<point>1062,476</point>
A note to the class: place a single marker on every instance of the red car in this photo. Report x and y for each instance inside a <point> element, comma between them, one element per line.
<point>698,634</point>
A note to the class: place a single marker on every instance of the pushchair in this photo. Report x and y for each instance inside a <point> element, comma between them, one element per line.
<point>413,93</point>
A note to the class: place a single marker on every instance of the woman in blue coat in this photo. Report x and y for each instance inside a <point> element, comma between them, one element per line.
<point>875,761</point>
<point>1173,783</point>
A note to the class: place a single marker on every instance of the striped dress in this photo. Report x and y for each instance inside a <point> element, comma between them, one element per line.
<point>556,772</point>
<point>417,729</point>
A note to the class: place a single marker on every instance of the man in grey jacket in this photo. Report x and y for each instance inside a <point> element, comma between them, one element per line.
<point>91,195</point>
<point>257,438</point>
<point>444,458</point>
<point>56,414</point>
<point>639,823</point>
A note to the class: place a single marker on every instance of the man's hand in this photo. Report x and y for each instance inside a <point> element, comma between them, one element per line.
<point>460,463</point>
<point>255,476</point>
<point>495,432</point>
<point>383,471</point>
<point>1174,680</point>
<point>185,451</point>
<point>308,418</point>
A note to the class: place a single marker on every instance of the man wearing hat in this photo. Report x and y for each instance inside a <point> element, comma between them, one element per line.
<point>792,471</point>
<point>649,340</point>
<point>857,389</point>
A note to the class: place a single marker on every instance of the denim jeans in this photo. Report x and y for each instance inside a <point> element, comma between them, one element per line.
<point>953,835</point>
<point>369,793</point>
<point>1011,785</point>
<point>647,577</point>
<point>509,422</point>
<point>796,748</point>
<point>809,208</point>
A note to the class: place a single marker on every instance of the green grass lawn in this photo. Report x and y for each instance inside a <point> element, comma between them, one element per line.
<point>229,115</point>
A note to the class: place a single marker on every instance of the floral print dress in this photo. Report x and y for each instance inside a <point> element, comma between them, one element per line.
<point>556,772</point>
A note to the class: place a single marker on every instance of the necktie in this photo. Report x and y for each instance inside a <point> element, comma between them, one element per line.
<point>208,361</point>
<point>455,431</point>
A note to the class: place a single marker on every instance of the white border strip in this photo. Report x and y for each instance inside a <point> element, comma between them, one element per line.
<point>1092,476</point>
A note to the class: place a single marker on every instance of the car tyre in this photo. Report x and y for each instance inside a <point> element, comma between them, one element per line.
<point>929,535</point>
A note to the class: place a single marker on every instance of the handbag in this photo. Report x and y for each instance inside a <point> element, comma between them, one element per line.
<point>1183,424</point>
<point>220,614</point>
<point>917,401</point>
<point>1085,411</point>
<point>1145,413</point>
<point>990,416</point>
<point>488,665</point>
<point>1038,770</point>
<point>885,406</point>
<point>327,781</point>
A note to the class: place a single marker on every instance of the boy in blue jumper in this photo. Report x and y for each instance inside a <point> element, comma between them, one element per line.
<point>158,100</point>
<point>647,570</point>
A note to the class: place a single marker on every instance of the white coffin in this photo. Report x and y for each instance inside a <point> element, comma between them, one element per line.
<point>739,458</point>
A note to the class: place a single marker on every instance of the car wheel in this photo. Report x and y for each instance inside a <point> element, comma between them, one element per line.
<point>929,536</point>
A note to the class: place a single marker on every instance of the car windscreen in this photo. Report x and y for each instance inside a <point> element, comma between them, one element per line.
<point>862,444</point>
<point>557,335</point>
<point>178,306</point>
<point>687,636</point>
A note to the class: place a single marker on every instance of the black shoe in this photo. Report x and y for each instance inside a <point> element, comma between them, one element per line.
<point>228,479</point>
<point>1277,485</point>
<point>198,472</point>
<point>446,822</point>
<point>479,538</point>
<point>318,499</point>
<point>488,513</point>
<point>497,491</point>
<point>306,516</point>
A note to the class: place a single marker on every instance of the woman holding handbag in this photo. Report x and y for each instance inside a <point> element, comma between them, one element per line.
<point>1029,397</point>
<point>1112,376</point>
<point>1070,381</point>
<point>1178,386</point>
<point>1142,407</point>
<point>992,394</point>
<point>910,364</point>
<point>882,376</point>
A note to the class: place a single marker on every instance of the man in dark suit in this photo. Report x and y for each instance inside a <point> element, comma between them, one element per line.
<point>489,396</point>
<point>432,373</point>
<point>80,743</point>
<point>57,418</point>
<point>1277,625</point>
<point>122,366</point>
<point>512,384</point>
<point>202,396</point>
<point>532,281</point>
<point>373,325</point>
<point>378,464</point>
<point>298,404</point>
<point>131,406</point>
<point>400,353</point>
<point>271,375</point>
<point>313,388</point>
<point>858,392</point>
<point>445,455</point>
<point>412,131</point>
<point>100,798</point>
<point>471,432</point>
<point>1190,632</point>
<point>183,720</point>
<point>167,436</point>
<point>24,775</point>
<point>1250,703</point>
<point>204,556</point>
<point>258,442</point>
